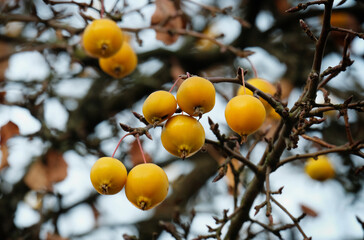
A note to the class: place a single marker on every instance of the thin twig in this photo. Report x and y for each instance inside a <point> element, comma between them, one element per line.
<point>236,155</point>
<point>318,141</point>
<point>344,148</point>
<point>268,212</point>
<point>295,220</point>
<point>181,31</point>
<point>347,126</point>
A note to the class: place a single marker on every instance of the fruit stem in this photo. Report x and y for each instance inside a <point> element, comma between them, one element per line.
<point>102,9</point>
<point>174,84</point>
<point>243,79</point>
<point>252,65</point>
<point>117,146</point>
<point>140,147</point>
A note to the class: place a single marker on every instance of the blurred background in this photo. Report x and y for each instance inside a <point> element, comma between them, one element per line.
<point>59,113</point>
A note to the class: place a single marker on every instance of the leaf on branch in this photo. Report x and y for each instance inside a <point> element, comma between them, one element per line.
<point>7,131</point>
<point>2,97</point>
<point>51,236</point>
<point>129,237</point>
<point>36,177</point>
<point>282,5</point>
<point>5,50</point>
<point>135,154</point>
<point>308,211</point>
<point>56,166</point>
<point>42,175</point>
<point>167,15</point>
<point>176,70</point>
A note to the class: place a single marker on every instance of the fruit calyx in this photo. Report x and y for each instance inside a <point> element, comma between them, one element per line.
<point>198,111</point>
<point>157,120</point>
<point>143,203</point>
<point>105,188</point>
<point>118,70</point>
<point>104,47</point>
<point>184,150</point>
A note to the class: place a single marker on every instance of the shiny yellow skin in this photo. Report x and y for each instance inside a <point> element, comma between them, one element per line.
<point>196,96</point>
<point>262,85</point>
<point>320,169</point>
<point>245,114</point>
<point>159,106</point>
<point>108,175</point>
<point>273,114</point>
<point>102,38</point>
<point>205,44</point>
<point>120,64</point>
<point>182,136</point>
<point>146,186</point>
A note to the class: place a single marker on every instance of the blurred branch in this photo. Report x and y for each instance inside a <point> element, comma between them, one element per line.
<point>303,6</point>
<point>354,149</point>
<point>185,32</point>
<point>53,23</point>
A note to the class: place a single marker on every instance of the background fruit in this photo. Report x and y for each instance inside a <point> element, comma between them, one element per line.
<point>147,186</point>
<point>120,64</point>
<point>183,136</point>
<point>320,169</point>
<point>108,175</point>
<point>203,44</point>
<point>102,38</point>
<point>196,96</point>
<point>263,85</point>
<point>343,20</point>
<point>244,114</point>
<point>159,106</point>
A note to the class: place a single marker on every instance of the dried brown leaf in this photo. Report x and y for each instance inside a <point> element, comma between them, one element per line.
<point>176,70</point>
<point>36,178</point>
<point>42,175</point>
<point>56,166</point>
<point>2,97</point>
<point>230,175</point>
<point>166,15</point>
<point>309,211</point>
<point>4,160</point>
<point>8,131</point>
<point>53,236</point>
<point>5,51</point>
<point>136,155</point>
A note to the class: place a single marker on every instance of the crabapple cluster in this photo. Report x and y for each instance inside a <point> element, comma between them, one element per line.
<point>146,185</point>
<point>103,39</point>
<point>182,135</point>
